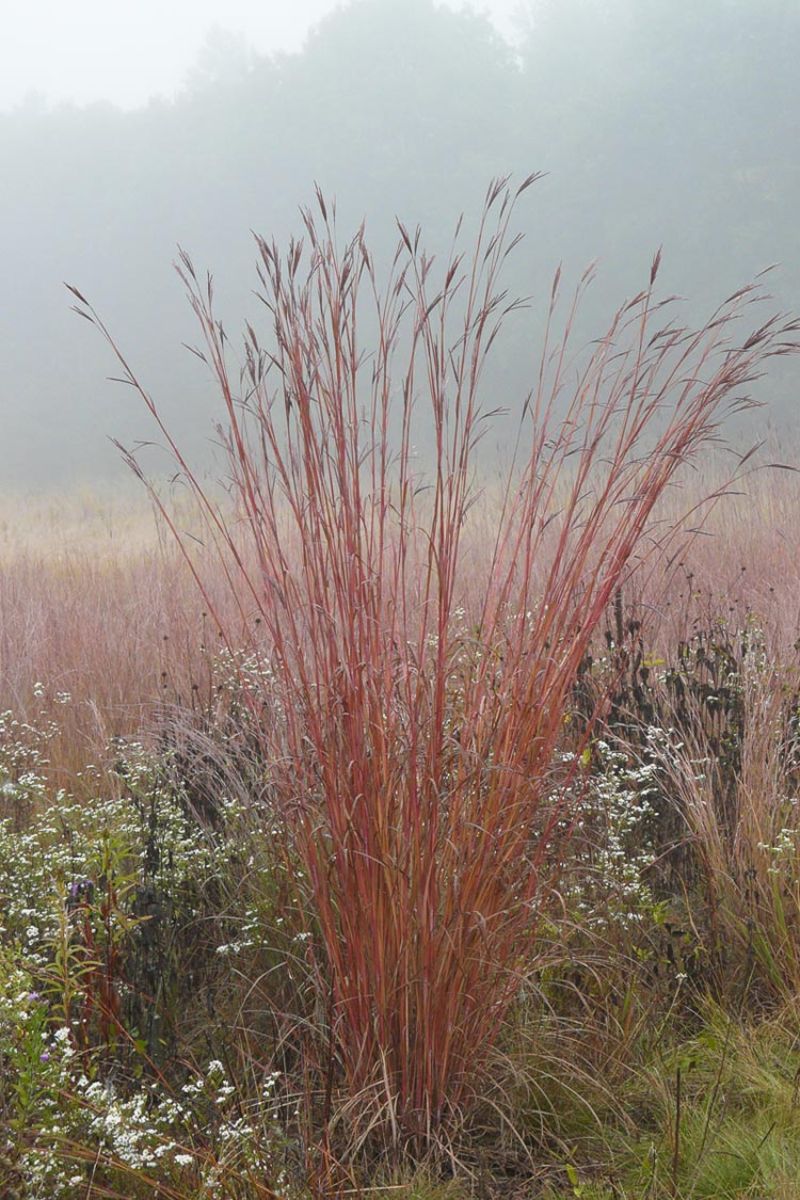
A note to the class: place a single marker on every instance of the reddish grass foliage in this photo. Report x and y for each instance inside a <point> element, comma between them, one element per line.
<point>411,746</point>
<point>101,626</point>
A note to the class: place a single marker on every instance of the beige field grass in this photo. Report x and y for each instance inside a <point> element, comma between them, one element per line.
<point>99,621</point>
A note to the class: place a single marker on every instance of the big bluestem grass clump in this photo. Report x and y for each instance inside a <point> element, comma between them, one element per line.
<point>416,698</point>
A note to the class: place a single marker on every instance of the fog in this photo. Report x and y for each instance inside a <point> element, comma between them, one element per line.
<point>128,130</point>
<point>131,51</point>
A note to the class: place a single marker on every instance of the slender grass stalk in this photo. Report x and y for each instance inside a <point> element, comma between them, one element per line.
<point>412,747</point>
<point>735,791</point>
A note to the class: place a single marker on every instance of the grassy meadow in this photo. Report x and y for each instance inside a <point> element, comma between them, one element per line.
<point>380,829</point>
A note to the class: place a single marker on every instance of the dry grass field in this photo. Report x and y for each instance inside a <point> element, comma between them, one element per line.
<point>98,607</point>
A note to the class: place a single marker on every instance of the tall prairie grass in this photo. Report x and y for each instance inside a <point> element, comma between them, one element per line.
<point>99,624</point>
<point>413,695</point>
<point>732,769</point>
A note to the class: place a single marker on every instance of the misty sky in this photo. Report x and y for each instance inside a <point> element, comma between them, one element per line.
<point>129,50</point>
<point>656,123</point>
